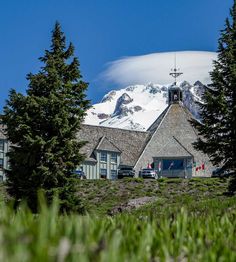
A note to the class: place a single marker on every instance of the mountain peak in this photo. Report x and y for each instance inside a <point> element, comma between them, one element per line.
<point>136,107</point>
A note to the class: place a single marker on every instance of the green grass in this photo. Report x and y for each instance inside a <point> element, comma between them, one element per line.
<point>101,196</point>
<point>186,223</point>
<point>184,235</point>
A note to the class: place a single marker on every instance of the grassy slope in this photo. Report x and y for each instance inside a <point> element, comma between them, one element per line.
<point>101,196</point>
<point>192,220</point>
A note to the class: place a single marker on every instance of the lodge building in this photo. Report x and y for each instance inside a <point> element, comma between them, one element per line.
<point>167,145</point>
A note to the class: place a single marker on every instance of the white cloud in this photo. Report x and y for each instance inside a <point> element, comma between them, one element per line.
<point>156,67</point>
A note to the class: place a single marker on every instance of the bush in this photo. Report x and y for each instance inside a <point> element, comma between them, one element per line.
<point>232,184</point>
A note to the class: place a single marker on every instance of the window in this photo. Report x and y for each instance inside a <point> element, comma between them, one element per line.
<point>103,173</point>
<point>173,164</point>
<point>1,163</point>
<point>1,145</point>
<point>113,158</point>
<point>103,157</point>
<point>113,174</point>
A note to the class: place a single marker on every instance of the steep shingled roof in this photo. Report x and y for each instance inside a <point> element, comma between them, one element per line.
<point>130,143</point>
<point>173,123</point>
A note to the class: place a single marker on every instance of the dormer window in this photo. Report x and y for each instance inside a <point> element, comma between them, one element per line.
<point>103,156</point>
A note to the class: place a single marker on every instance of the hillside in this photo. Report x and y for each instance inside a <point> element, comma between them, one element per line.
<point>102,197</point>
<point>190,220</point>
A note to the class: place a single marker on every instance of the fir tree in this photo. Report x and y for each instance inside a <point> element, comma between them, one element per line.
<point>42,127</point>
<point>218,112</point>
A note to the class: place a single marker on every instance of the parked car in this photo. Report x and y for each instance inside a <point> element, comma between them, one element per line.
<point>126,172</point>
<point>220,172</point>
<point>80,174</point>
<point>148,173</point>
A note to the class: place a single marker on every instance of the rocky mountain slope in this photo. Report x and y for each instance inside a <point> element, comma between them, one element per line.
<point>137,107</point>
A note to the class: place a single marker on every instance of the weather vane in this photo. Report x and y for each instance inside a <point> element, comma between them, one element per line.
<point>175,72</point>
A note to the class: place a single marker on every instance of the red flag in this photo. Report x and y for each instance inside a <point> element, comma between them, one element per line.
<point>203,166</point>
<point>196,168</point>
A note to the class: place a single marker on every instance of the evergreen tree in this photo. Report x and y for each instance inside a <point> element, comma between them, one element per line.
<point>217,128</point>
<point>42,127</point>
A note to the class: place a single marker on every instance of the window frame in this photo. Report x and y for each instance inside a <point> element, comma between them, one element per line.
<point>2,145</point>
<point>114,176</point>
<point>103,153</point>
<point>101,173</point>
<point>1,163</point>
<point>114,160</point>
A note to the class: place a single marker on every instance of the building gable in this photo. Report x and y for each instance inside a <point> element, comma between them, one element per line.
<point>174,123</point>
<point>105,144</point>
<point>173,148</point>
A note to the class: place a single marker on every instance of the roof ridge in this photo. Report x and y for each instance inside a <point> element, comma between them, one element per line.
<point>158,118</point>
<point>108,127</point>
<point>100,141</point>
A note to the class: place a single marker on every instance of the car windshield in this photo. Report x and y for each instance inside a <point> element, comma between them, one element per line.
<point>126,168</point>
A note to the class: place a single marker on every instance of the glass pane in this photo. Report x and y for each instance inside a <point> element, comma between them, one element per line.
<point>1,163</point>
<point>1,145</point>
<point>113,158</point>
<point>103,173</point>
<point>170,164</point>
<point>103,156</point>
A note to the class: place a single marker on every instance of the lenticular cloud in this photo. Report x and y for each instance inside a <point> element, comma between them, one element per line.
<point>156,67</point>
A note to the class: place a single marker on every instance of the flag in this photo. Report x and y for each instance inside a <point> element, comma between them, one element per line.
<point>159,166</point>
<point>200,167</point>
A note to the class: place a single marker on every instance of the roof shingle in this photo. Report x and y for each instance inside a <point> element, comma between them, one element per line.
<point>130,143</point>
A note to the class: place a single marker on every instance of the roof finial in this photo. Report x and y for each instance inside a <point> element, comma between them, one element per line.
<point>175,73</point>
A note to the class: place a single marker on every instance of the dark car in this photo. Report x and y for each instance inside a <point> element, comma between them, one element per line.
<point>80,174</point>
<point>148,173</point>
<point>221,172</point>
<point>126,172</point>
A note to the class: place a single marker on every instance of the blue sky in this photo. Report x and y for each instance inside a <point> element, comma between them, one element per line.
<point>102,31</point>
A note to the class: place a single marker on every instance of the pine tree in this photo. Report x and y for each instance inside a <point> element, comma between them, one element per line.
<point>217,128</point>
<point>42,127</point>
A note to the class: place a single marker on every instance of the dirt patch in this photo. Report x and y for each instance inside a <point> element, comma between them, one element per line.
<point>131,204</point>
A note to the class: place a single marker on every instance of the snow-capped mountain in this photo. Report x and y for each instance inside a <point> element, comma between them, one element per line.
<point>137,106</point>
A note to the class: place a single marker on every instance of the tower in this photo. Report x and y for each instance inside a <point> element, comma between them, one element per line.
<point>175,93</point>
